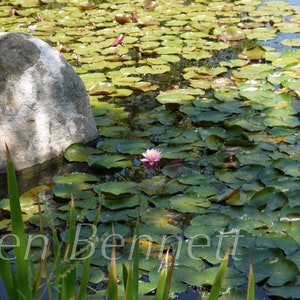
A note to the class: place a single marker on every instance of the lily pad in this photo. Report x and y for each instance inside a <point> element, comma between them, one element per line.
<point>109,161</point>
<point>124,188</point>
<point>188,203</point>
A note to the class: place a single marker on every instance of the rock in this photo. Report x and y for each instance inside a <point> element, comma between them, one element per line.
<point>44,106</point>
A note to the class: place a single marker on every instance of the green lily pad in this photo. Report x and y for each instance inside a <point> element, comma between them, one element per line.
<point>109,161</point>
<point>160,220</point>
<point>121,202</point>
<point>102,88</point>
<point>155,69</point>
<point>261,199</point>
<point>254,71</point>
<point>134,146</point>
<point>154,186</point>
<point>191,177</point>
<point>79,153</point>
<point>281,241</point>
<point>115,131</point>
<point>188,203</point>
<point>123,188</point>
<point>286,291</point>
<point>291,42</point>
<point>176,96</point>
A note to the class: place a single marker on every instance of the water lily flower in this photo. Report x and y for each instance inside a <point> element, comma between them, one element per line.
<point>118,40</point>
<point>32,28</point>
<point>151,157</point>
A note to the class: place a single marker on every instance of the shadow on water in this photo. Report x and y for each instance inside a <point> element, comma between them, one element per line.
<point>42,174</point>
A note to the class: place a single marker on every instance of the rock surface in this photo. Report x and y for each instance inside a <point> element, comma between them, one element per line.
<point>44,106</point>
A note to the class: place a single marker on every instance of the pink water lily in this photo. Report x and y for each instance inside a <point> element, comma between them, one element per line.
<point>151,157</point>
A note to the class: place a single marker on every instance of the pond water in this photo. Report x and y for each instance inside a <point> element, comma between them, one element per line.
<point>215,87</point>
<point>294,2</point>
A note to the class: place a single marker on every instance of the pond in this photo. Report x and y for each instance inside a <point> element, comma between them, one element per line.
<point>214,86</point>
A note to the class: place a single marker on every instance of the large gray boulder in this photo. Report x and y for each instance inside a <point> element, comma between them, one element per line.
<point>44,106</point>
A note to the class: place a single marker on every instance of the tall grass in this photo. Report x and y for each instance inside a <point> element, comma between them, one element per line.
<point>17,283</point>
<point>22,281</point>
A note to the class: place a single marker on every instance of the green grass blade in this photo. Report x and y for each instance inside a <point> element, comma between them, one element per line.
<point>22,267</point>
<point>127,278</point>
<point>125,273</point>
<point>37,278</point>
<point>170,272</point>
<point>217,285</point>
<point>57,256</point>
<point>135,262</point>
<point>69,283</point>
<point>164,281</point>
<point>8,276</point>
<point>112,277</point>
<point>251,283</point>
<point>86,266</point>
<point>112,285</point>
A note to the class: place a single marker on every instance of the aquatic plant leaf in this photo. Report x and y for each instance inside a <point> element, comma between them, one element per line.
<point>121,202</point>
<point>154,186</point>
<point>66,191</point>
<point>289,290</point>
<point>174,96</point>
<point>109,161</point>
<point>76,177</point>
<point>291,42</point>
<point>191,177</point>
<point>160,220</point>
<point>188,203</point>
<point>116,188</point>
<point>261,199</point>
<point>79,153</point>
<point>273,240</point>
<point>155,69</point>
<point>134,146</point>
<point>211,116</point>
<point>102,88</point>
<point>115,131</point>
<point>254,71</point>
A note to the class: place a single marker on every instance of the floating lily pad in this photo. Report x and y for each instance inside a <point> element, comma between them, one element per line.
<point>102,88</point>
<point>187,203</point>
<point>134,146</point>
<point>160,221</point>
<point>254,71</point>
<point>109,161</point>
<point>79,153</point>
<point>155,69</point>
<point>154,186</point>
<point>124,188</point>
<point>177,96</point>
